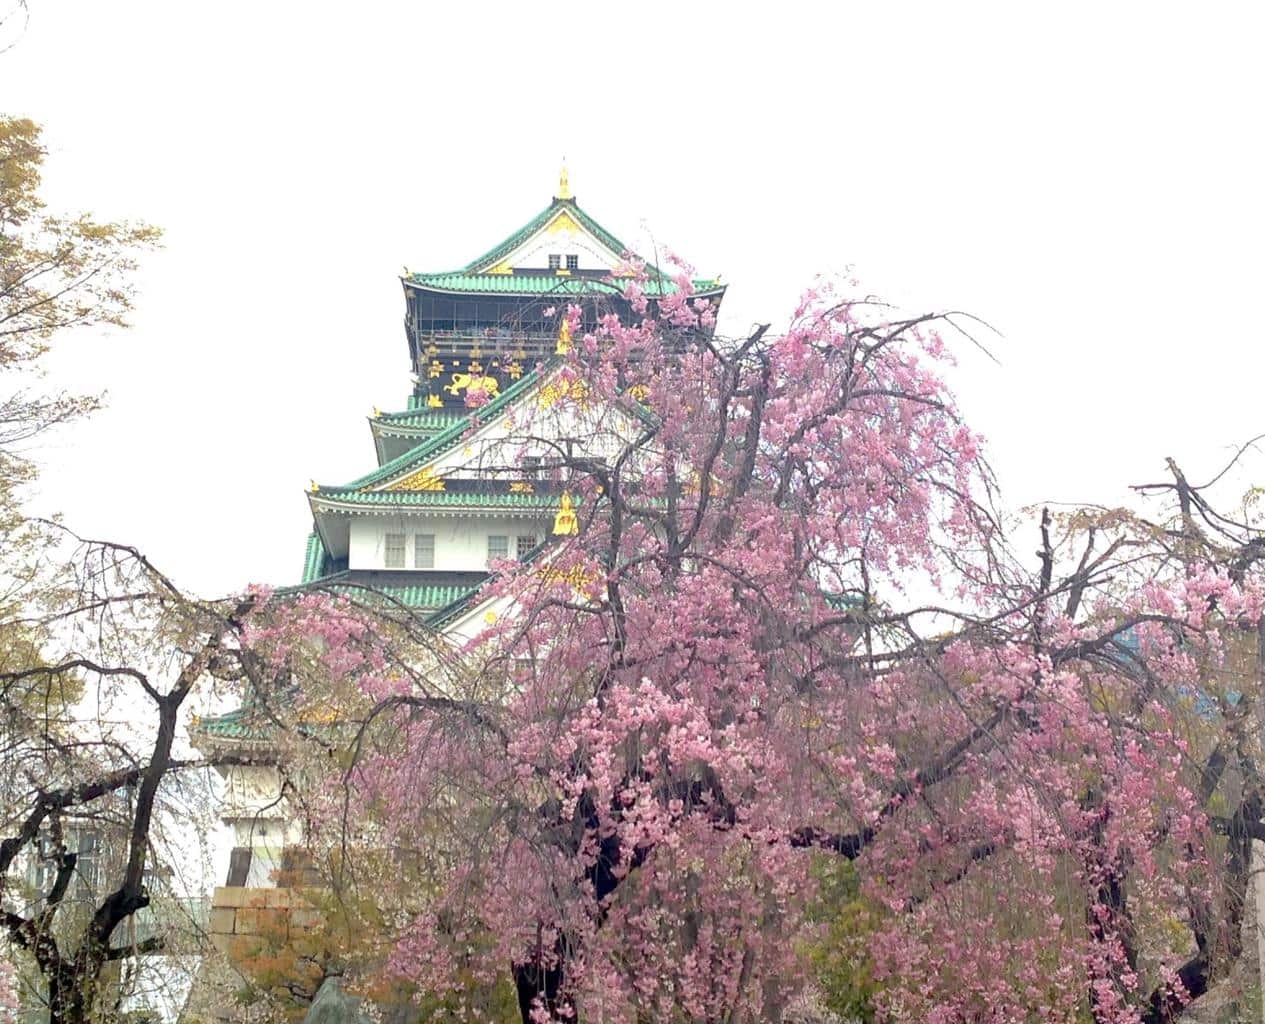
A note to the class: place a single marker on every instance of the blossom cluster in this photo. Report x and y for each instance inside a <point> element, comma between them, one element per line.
<point>789,629</point>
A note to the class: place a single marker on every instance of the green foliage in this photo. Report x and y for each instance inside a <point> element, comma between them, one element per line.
<point>838,952</point>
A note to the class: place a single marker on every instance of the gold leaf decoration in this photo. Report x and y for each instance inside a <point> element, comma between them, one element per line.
<point>425,479</point>
<point>565,523</point>
<point>465,381</point>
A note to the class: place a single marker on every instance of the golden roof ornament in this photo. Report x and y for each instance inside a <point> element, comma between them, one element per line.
<point>564,183</point>
<point>564,338</point>
<point>565,524</point>
<point>424,479</point>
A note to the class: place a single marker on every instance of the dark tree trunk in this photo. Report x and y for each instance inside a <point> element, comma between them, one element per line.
<point>536,985</point>
<point>68,999</point>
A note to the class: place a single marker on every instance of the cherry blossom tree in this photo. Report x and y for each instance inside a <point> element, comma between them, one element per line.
<point>790,627</point>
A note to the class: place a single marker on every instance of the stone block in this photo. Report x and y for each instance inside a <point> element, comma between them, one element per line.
<point>274,922</point>
<point>263,921</point>
<point>257,898</point>
<point>221,920</point>
<point>232,896</point>
<point>244,947</point>
<point>304,919</point>
<point>279,897</point>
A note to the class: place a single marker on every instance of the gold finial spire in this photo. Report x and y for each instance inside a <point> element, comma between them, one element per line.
<point>565,523</point>
<point>564,338</point>
<point>564,182</point>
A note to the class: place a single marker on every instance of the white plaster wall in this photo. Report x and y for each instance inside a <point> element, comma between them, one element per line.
<point>535,251</point>
<point>528,430</point>
<point>535,254</point>
<point>461,544</point>
<point>250,790</point>
<point>258,819</point>
<point>471,625</point>
<point>271,832</point>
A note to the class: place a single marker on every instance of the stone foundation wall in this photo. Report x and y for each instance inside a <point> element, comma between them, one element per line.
<point>238,913</point>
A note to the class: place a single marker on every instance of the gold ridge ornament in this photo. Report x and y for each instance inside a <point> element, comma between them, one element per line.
<point>466,381</point>
<point>564,339</point>
<point>558,390</point>
<point>425,479</point>
<point>565,523</point>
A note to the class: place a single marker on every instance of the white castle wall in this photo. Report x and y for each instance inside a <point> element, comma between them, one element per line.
<point>461,545</point>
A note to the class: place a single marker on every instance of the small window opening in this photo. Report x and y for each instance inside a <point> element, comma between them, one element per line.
<point>394,555</point>
<point>573,262</point>
<point>555,261</point>
<point>498,547</point>
<point>424,551</point>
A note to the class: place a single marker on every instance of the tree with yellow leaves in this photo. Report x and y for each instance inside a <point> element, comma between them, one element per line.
<point>56,273</point>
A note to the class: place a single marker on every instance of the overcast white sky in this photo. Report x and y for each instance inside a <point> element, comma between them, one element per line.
<point>1089,180</point>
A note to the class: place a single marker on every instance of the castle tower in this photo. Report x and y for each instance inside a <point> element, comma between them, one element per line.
<point>423,526</point>
<point>445,500</point>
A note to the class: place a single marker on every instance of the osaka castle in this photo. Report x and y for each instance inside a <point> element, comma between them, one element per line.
<point>453,490</point>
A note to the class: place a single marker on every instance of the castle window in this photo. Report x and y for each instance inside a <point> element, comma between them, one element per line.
<point>498,547</point>
<point>573,262</point>
<point>531,466</point>
<point>555,261</point>
<point>42,871</point>
<point>394,558</point>
<point>524,544</point>
<point>86,865</point>
<point>424,551</point>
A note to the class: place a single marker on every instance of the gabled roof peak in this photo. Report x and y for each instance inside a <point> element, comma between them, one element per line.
<point>562,212</point>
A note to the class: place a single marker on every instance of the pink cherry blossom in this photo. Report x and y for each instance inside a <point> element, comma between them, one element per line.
<point>792,627</point>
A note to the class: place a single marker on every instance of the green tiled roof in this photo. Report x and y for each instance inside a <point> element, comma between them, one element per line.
<point>436,597</point>
<point>441,616</point>
<point>422,418</point>
<point>424,596</point>
<point>441,442</point>
<point>314,561</point>
<point>432,499</point>
<point>442,602</point>
<point>241,724</point>
<point>493,255</point>
<point>547,284</point>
